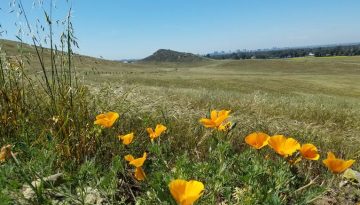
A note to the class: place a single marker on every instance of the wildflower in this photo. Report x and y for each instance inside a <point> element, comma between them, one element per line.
<point>257,140</point>
<point>159,129</point>
<point>55,119</point>
<point>217,119</point>
<point>137,163</point>
<point>284,146</point>
<point>139,174</point>
<point>225,127</point>
<point>127,139</point>
<point>5,153</point>
<point>129,158</point>
<point>106,119</point>
<point>186,192</point>
<point>309,151</point>
<point>337,165</point>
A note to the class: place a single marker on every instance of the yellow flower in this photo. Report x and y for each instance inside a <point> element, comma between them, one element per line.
<point>225,127</point>
<point>137,163</point>
<point>284,146</point>
<point>5,153</point>
<point>106,119</point>
<point>337,165</point>
<point>309,151</point>
<point>129,158</point>
<point>127,139</point>
<point>159,129</point>
<point>139,174</point>
<point>257,140</point>
<point>217,119</point>
<point>186,192</point>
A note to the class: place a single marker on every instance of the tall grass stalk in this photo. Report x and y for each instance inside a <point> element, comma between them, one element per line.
<point>57,113</point>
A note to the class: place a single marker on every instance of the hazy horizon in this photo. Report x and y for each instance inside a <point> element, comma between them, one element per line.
<point>135,29</point>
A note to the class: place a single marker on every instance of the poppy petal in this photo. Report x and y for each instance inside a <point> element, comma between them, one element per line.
<point>139,174</point>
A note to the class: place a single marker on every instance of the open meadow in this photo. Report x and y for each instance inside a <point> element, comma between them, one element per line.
<point>263,108</point>
<point>315,99</point>
<point>51,130</point>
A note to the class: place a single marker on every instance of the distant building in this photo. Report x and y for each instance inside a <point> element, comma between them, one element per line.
<point>311,54</point>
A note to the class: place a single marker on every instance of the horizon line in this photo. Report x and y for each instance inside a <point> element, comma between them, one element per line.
<point>210,52</point>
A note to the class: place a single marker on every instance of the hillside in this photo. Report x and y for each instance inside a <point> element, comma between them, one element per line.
<point>91,64</point>
<point>167,55</point>
<point>82,62</point>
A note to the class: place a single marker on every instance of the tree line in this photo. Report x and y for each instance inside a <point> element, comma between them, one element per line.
<point>338,50</point>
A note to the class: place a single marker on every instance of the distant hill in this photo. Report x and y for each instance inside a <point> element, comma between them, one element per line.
<point>167,55</point>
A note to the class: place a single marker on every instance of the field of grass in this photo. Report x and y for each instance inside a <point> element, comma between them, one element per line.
<point>314,100</point>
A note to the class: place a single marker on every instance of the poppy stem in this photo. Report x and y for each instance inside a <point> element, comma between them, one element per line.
<point>127,184</point>
<point>312,181</point>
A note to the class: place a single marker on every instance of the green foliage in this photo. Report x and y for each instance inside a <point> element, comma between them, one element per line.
<point>231,177</point>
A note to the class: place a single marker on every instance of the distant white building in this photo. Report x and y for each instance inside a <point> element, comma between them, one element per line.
<point>311,54</point>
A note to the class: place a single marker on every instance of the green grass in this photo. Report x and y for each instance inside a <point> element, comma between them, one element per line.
<point>315,100</point>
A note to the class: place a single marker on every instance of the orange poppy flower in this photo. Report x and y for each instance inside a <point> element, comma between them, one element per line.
<point>127,139</point>
<point>129,158</point>
<point>159,129</point>
<point>137,163</point>
<point>337,165</point>
<point>309,151</point>
<point>225,127</point>
<point>257,140</point>
<point>139,174</point>
<point>186,192</point>
<point>284,146</point>
<point>217,119</point>
<point>106,119</point>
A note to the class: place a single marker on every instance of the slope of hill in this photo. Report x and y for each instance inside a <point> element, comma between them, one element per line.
<point>167,55</point>
<point>83,63</point>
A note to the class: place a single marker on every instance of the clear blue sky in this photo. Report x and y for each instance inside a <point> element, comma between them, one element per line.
<point>119,29</point>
